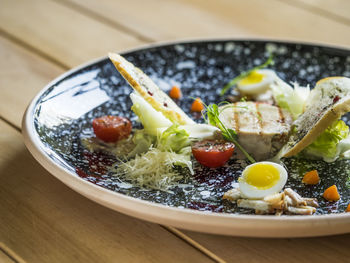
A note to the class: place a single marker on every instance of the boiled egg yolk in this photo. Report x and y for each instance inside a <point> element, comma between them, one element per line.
<point>262,176</point>
<point>257,82</point>
<point>261,179</point>
<point>253,78</point>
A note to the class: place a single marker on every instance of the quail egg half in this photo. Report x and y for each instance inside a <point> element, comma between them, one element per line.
<point>261,179</point>
<point>257,82</point>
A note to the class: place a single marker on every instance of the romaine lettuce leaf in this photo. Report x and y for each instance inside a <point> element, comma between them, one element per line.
<point>332,143</point>
<point>156,123</point>
<point>173,139</point>
<point>148,116</point>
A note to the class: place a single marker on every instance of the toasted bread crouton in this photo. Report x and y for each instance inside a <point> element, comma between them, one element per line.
<point>328,101</point>
<point>147,89</point>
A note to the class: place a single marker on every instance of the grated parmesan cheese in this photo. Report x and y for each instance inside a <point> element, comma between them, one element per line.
<point>154,169</point>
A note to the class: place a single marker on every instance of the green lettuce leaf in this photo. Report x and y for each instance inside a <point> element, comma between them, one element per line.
<point>151,119</point>
<point>328,144</point>
<point>291,99</point>
<point>142,141</point>
<point>173,139</point>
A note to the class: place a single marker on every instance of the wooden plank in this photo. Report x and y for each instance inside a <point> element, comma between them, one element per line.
<point>7,255</point>
<point>301,250</point>
<point>222,18</point>
<point>22,75</point>
<point>68,36</point>
<point>338,10</point>
<point>4,258</point>
<point>42,220</point>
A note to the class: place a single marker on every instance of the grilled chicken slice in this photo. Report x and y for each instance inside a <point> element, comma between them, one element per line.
<point>262,128</point>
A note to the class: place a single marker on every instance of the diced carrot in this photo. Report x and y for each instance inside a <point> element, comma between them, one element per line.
<point>175,92</point>
<point>311,177</point>
<point>348,208</point>
<point>197,105</point>
<point>331,194</point>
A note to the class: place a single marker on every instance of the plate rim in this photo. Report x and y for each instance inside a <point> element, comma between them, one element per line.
<point>231,224</point>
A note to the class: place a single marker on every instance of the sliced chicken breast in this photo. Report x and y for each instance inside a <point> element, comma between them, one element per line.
<point>262,128</point>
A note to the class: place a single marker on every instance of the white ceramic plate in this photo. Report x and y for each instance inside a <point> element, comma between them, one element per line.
<point>61,114</point>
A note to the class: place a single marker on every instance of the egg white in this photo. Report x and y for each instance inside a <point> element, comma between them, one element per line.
<point>252,192</point>
<point>257,88</point>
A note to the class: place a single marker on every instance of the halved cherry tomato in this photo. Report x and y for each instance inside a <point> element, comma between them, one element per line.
<point>212,153</point>
<point>111,128</point>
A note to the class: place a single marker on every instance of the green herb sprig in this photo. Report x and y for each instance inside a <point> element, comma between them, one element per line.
<point>244,74</point>
<point>211,116</point>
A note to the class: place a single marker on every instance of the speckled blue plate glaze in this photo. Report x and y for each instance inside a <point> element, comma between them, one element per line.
<point>65,110</point>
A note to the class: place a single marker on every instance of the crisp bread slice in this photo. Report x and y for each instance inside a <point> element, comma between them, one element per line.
<point>144,86</point>
<point>328,101</point>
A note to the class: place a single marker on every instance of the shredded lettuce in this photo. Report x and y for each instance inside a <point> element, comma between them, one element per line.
<point>331,144</point>
<point>291,99</point>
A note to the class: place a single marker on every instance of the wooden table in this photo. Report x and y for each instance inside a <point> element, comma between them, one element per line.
<point>42,220</point>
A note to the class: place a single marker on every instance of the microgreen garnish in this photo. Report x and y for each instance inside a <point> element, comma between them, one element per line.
<point>244,74</point>
<point>211,116</point>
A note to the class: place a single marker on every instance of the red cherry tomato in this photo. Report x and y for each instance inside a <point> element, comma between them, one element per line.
<point>212,153</point>
<point>111,128</point>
